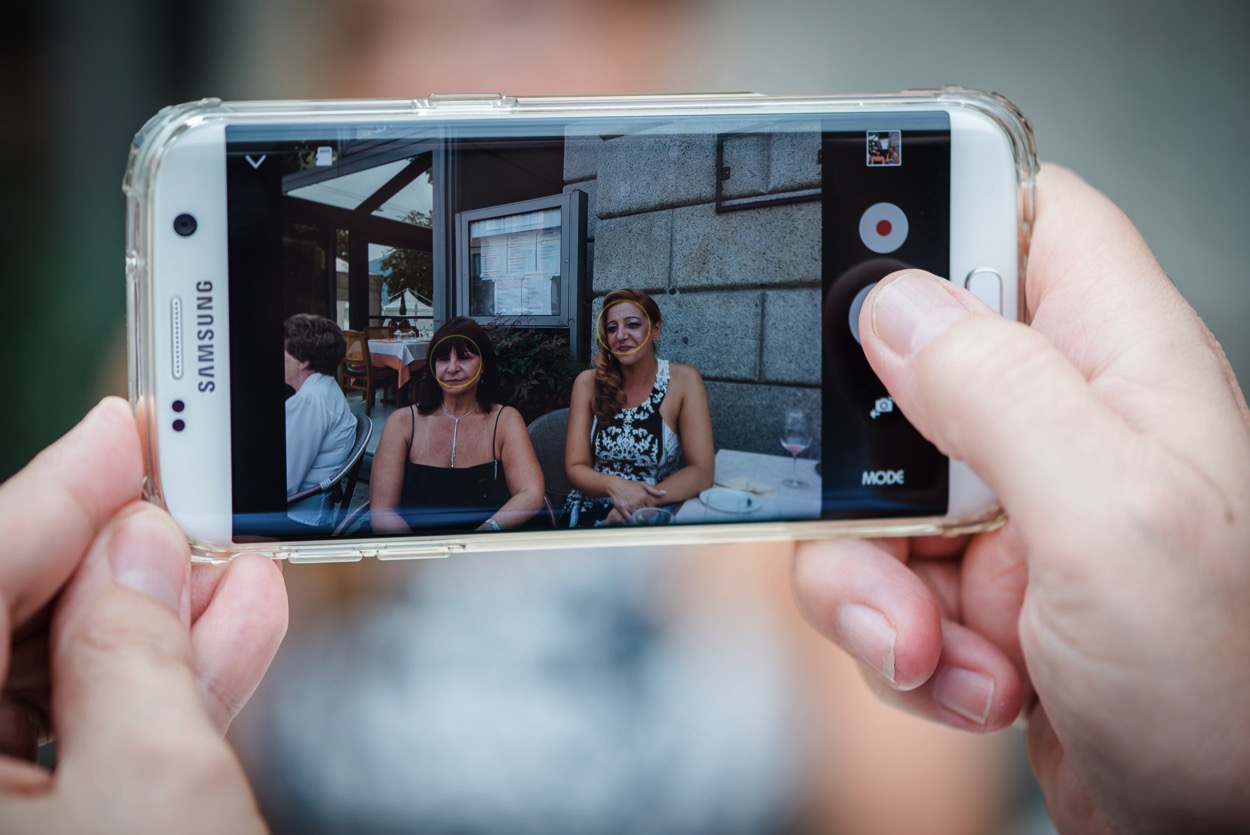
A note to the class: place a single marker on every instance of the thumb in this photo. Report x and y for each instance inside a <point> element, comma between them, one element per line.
<point>137,752</point>
<point>997,395</point>
<point>121,652</point>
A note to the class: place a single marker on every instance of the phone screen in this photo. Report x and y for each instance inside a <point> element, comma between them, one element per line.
<point>754,241</point>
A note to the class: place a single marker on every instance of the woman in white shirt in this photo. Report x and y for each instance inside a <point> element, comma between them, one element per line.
<point>320,428</point>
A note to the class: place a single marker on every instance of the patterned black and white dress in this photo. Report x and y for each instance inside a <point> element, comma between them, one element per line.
<point>636,444</point>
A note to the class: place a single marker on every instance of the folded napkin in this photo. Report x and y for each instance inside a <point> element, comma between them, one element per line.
<point>746,485</point>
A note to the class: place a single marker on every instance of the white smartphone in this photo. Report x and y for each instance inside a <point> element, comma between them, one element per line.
<point>307,281</point>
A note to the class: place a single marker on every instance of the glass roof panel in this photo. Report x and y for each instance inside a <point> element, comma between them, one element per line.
<point>412,204</point>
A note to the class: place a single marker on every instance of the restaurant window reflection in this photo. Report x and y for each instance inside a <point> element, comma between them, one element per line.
<point>406,287</point>
<point>362,237</point>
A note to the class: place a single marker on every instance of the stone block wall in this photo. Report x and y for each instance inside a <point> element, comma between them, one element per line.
<point>739,290</point>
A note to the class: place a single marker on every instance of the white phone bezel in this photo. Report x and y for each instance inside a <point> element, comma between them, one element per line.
<point>983,237</point>
<point>195,463</point>
<point>992,165</point>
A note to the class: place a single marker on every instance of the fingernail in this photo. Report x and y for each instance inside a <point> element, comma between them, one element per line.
<point>147,554</point>
<point>912,309</point>
<point>968,693</point>
<point>868,636</point>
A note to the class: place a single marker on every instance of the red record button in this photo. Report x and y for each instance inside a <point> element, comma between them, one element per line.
<point>883,227</point>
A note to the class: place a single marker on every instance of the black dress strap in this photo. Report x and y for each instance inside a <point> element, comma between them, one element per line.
<point>495,435</point>
<point>494,457</point>
<point>413,435</point>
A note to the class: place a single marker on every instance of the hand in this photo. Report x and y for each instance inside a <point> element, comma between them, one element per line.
<point>1114,607</point>
<point>628,496</point>
<point>138,660</point>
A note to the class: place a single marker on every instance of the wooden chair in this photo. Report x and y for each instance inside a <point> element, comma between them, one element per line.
<point>358,371</point>
<point>343,481</point>
<point>379,332</point>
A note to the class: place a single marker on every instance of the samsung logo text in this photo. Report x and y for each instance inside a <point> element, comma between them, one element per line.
<point>204,334</point>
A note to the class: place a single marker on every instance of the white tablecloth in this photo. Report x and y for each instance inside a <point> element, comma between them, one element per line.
<point>399,354</point>
<point>766,471</point>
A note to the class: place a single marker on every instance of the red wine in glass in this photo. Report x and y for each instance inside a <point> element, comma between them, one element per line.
<point>796,437</point>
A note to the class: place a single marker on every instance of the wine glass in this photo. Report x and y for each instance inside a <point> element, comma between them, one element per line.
<point>796,437</point>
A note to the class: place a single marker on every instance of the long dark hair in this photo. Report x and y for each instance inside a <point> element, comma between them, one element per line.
<point>468,339</point>
<point>609,379</point>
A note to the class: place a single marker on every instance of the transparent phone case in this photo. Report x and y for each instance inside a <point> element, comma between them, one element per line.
<point>163,131</point>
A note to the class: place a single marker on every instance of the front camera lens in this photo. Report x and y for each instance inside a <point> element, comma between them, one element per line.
<point>179,405</point>
<point>179,425</point>
<point>185,225</point>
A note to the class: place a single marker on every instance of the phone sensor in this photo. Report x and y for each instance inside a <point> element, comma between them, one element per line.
<point>185,225</point>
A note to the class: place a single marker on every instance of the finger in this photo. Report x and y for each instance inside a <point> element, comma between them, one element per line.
<point>999,396</point>
<point>993,579</point>
<point>52,510</point>
<point>974,384</point>
<point>654,491</point>
<point>1092,275</point>
<point>237,636</point>
<point>1099,296</point>
<point>205,578</point>
<point>937,547</point>
<point>974,687</point>
<point>942,578</point>
<point>121,651</point>
<point>938,561</point>
<point>132,726</point>
<point>867,601</point>
<point>49,512</point>
<point>1113,348</point>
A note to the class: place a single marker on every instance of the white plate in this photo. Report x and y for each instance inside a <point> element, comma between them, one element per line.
<point>727,500</point>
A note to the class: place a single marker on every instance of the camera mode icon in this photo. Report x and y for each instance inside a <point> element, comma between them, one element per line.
<point>878,409</point>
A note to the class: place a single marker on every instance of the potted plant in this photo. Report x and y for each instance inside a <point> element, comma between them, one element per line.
<point>536,367</point>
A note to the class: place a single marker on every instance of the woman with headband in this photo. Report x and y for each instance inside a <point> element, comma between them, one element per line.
<point>457,459</point>
<point>640,432</point>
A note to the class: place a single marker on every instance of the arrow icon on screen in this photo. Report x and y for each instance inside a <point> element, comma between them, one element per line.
<point>255,163</point>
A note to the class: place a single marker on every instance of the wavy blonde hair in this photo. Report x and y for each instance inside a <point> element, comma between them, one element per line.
<point>609,379</point>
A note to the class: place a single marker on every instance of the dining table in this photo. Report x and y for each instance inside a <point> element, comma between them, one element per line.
<point>404,355</point>
<point>760,478</point>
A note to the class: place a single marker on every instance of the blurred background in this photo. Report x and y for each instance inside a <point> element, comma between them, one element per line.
<point>739,721</point>
<point>1144,97</point>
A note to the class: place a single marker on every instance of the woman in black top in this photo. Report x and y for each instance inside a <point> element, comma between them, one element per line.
<point>458,459</point>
